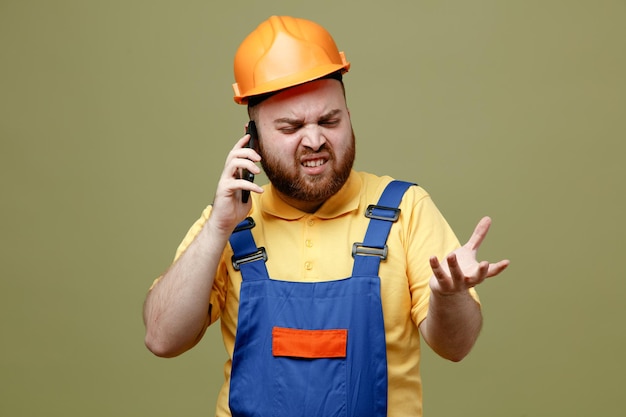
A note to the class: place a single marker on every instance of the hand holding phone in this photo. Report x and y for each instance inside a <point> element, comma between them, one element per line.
<point>245,174</point>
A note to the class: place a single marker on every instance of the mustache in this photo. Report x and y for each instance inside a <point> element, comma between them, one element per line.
<point>325,148</point>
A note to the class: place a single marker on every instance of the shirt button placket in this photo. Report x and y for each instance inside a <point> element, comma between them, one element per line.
<point>308,243</point>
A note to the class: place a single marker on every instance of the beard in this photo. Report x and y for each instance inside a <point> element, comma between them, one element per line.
<point>286,177</point>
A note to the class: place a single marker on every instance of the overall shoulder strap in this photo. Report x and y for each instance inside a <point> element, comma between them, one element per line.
<point>247,257</point>
<point>368,254</point>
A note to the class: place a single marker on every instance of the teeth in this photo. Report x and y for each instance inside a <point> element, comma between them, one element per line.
<point>314,163</point>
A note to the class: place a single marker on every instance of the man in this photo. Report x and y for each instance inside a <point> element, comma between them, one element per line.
<point>325,278</point>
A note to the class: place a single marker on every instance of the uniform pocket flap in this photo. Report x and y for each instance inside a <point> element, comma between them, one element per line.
<point>311,344</point>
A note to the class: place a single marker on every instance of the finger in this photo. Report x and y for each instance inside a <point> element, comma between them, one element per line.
<point>481,273</point>
<point>453,265</point>
<point>473,274</point>
<point>479,234</point>
<point>240,158</point>
<point>234,166</point>
<point>438,270</point>
<point>250,165</point>
<point>242,184</point>
<point>242,141</point>
<point>495,269</point>
<point>468,277</point>
<point>442,274</point>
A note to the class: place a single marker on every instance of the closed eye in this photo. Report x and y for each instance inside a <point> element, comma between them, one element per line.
<point>331,119</point>
<point>329,123</point>
<point>288,130</point>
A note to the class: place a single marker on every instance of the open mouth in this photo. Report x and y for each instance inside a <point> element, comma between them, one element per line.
<point>313,163</point>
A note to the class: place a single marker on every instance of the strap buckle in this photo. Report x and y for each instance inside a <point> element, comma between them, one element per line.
<point>247,223</point>
<point>392,217</point>
<point>359,249</point>
<point>260,254</point>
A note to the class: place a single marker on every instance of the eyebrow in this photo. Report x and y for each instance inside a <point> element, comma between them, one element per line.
<point>291,121</point>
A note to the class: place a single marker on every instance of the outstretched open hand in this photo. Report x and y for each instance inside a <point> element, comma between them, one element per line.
<point>461,269</point>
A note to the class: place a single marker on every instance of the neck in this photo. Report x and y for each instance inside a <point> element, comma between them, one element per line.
<point>305,206</point>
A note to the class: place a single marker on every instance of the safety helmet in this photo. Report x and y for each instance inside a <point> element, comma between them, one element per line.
<point>283,52</point>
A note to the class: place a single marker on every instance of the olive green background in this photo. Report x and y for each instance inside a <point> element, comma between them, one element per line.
<point>115,119</point>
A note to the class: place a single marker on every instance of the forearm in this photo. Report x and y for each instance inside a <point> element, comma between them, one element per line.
<point>452,325</point>
<point>176,310</point>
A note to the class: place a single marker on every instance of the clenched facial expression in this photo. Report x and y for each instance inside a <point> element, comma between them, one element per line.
<point>306,142</point>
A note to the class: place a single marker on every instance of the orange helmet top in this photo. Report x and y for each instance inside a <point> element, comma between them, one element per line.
<point>283,52</point>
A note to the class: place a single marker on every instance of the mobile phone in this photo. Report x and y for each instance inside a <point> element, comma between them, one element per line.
<point>245,174</point>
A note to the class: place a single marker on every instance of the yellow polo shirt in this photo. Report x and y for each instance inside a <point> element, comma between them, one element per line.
<point>317,247</point>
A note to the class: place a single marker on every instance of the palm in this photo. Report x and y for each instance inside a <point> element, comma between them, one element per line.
<point>461,270</point>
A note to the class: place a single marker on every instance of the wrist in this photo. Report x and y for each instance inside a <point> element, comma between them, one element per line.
<point>456,297</point>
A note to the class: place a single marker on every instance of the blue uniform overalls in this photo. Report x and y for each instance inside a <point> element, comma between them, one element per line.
<point>313,349</point>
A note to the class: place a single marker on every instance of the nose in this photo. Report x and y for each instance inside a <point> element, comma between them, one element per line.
<point>313,137</point>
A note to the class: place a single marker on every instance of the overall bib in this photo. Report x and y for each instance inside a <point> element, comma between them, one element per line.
<point>313,349</point>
